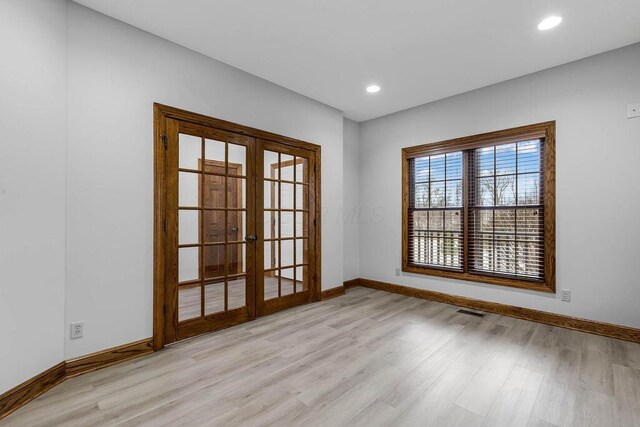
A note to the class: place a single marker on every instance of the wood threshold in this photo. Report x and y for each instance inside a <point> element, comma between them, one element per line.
<point>626,333</point>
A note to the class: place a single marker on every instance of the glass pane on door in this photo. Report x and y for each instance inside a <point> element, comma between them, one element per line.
<point>285,228</point>
<point>212,209</point>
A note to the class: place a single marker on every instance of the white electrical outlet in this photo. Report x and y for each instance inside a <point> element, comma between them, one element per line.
<point>77,330</point>
<point>565,295</point>
<point>398,270</point>
<point>633,110</point>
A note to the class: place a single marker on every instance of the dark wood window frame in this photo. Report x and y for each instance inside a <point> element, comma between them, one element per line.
<point>544,131</point>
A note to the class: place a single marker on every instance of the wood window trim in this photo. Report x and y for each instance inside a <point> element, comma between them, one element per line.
<point>163,113</point>
<point>546,131</point>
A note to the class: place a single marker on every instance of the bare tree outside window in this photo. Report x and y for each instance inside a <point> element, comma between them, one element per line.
<point>482,208</point>
<point>436,224</point>
<point>505,210</point>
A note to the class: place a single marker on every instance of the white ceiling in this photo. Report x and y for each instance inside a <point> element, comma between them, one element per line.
<point>416,50</point>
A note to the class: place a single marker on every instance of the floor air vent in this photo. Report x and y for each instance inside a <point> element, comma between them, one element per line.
<point>471,313</point>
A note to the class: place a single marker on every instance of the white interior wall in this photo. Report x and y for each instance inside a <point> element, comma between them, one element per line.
<point>116,72</point>
<point>597,181</point>
<point>351,211</point>
<point>32,187</point>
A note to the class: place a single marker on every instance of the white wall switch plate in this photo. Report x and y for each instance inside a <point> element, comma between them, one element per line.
<point>565,295</point>
<point>398,271</point>
<point>633,110</point>
<point>77,330</point>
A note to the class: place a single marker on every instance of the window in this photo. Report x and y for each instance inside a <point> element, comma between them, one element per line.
<point>482,208</point>
<point>436,210</point>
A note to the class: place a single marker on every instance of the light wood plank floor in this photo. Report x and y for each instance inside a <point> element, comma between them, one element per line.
<point>367,358</point>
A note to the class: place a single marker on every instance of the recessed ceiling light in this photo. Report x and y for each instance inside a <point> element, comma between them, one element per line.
<point>373,89</point>
<point>549,23</point>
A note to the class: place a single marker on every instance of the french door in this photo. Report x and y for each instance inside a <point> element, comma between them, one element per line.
<point>239,231</point>
<point>286,198</point>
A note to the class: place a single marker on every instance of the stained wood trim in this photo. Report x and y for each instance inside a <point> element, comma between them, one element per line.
<point>610,330</point>
<point>504,136</point>
<point>546,131</point>
<point>199,326</point>
<point>316,216</point>
<point>14,399</point>
<point>184,115</point>
<point>166,116</point>
<point>24,393</point>
<point>332,293</point>
<point>481,278</point>
<point>108,357</point>
<point>348,284</point>
<point>159,218</point>
<point>287,301</point>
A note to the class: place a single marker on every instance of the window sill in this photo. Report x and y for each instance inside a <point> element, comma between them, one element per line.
<point>492,280</point>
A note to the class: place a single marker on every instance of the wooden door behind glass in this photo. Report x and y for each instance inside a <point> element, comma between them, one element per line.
<point>210,211</point>
<point>286,246</point>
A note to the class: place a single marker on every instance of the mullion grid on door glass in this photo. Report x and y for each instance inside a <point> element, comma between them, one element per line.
<point>279,225</point>
<point>299,162</point>
<point>202,281</point>
<point>277,180</point>
<point>201,226</point>
<point>295,282</point>
<point>226,226</point>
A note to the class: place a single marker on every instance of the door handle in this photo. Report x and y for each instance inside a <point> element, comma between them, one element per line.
<point>234,229</point>
<point>251,237</point>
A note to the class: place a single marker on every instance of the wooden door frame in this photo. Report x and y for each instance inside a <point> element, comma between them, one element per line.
<point>161,114</point>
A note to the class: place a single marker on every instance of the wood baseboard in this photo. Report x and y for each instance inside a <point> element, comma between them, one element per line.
<point>351,283</point>
<point>108,357</point>
<point>332,293</point>
<point>14,399</point>
<point>24,393</point>
<point>610,330</point>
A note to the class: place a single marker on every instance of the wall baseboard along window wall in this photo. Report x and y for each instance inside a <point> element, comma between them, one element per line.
<point>597,173</point>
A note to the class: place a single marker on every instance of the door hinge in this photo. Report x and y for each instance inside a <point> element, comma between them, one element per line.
<point>164,140</point>
<point>314,222</point>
